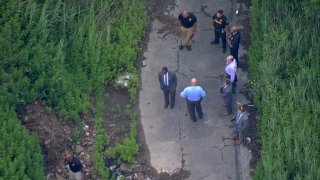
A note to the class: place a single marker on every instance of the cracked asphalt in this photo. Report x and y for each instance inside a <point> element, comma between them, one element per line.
<point>174,141</point>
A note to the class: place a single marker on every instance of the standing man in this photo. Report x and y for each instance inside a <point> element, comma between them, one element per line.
<point>168,84</point>
<point>231,69</point>
<point>241,124</point>
<point>226,93</point>
<point>234,42</point>
<point>188,26</point>
<point>194,95</point>
<point>75,167</point>
<point>220,23</point>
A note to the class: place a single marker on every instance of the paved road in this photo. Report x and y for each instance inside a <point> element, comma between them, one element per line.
<point>174,141</point>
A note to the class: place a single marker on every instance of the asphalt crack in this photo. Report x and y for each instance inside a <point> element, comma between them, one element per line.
<point>181,146</point>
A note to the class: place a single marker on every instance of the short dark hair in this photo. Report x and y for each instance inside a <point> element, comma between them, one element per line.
<point>165,69</point>
<point>220,11</point>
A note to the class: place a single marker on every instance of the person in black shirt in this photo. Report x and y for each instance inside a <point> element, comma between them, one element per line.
<point>234,42</point>
<point>188,27</point>
<point>75,167</point>
<point>220,23</point>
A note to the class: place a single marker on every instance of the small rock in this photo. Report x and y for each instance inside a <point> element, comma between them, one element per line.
<point>47,141</point>
<point>144,63</point>
<point>59,177</point>
<point>139,176</point>
<point>79,149</point>
<point>90,149</point>
<point>125,168</point>
<point>50,176</point>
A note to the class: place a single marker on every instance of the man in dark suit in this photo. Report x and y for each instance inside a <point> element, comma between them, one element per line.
<point>168,84</point>
<point>241,124</point>
<point>226,93</point>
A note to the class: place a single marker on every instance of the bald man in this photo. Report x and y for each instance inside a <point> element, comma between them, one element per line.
<point>234,42</point>
<point>231,70</point>
<point>194,95</point>
<point>188,27</point>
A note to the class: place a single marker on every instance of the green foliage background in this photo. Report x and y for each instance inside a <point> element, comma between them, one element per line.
<point>285,73</point>
<point>59,51</point>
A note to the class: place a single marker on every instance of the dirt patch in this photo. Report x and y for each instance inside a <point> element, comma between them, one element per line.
<point>57,138</point>
<point>116,123</point>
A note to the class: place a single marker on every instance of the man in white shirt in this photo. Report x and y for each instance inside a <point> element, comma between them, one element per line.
<point>231,70</point>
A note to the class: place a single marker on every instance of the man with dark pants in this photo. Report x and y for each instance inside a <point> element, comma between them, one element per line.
<point>234,42</point>
<point>220,23</point>
<point>241,125</point>
<point>168,84</point>
<point>188,27</point>
<point>227,96</point>
<point>194,95</point>
<point>231,71</point>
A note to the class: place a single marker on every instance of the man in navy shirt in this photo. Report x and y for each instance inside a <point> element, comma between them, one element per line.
<point>194,95</point>
<point>220,23</point>
<point>234,42</point>
<point>75,167</point>
<point>188,27</point>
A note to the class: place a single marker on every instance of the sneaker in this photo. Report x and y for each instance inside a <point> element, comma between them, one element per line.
<point>189,48</point>
<point>180,47</point>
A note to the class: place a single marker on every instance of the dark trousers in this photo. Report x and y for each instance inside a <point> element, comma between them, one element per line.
<point>234,84</point>
<point>169,92</point>
<point>192,107</point>
<point>234,53</point>
<point>217,35</point>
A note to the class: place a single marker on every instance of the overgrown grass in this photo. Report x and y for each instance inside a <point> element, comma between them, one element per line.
<point>60,52</point>
<point>284,66</point>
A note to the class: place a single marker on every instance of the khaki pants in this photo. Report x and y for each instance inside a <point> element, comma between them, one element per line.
<point>75,176</point>
<point>186,35</point>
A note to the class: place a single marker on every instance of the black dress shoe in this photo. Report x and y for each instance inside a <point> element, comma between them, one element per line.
<point>171,106</point>
<point>201,117</point>
<point>214,42</point>
<point>180,47</point>
<point>166,106</point>
<point>194,120</point>
<point>189,48</point>
<point>224,51</point>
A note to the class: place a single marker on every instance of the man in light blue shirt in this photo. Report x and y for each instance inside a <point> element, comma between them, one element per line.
<point>194,95</point>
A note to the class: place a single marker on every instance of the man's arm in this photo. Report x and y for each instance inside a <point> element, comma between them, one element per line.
<point>226,22</point>
<point>202,93</point>
<point>160,80</point>
<point>236,40</point>
<point>184,93</point>
<point>194,27</point>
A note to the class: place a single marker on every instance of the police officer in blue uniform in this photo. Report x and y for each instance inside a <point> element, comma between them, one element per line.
<point>234,42</point>
<point>220,23</point>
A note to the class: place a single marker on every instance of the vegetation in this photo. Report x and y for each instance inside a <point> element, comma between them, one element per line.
<point>101,140</point>
<point>284,69</point>
<point>60,52</point>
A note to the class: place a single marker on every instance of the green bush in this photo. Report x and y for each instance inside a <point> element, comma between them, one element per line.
<point>20,156</point>
<point>60,52</point>
<point>284,66</point>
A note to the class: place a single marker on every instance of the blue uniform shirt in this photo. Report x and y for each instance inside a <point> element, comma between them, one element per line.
<point>189,21</point>
<point>193,93</point>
